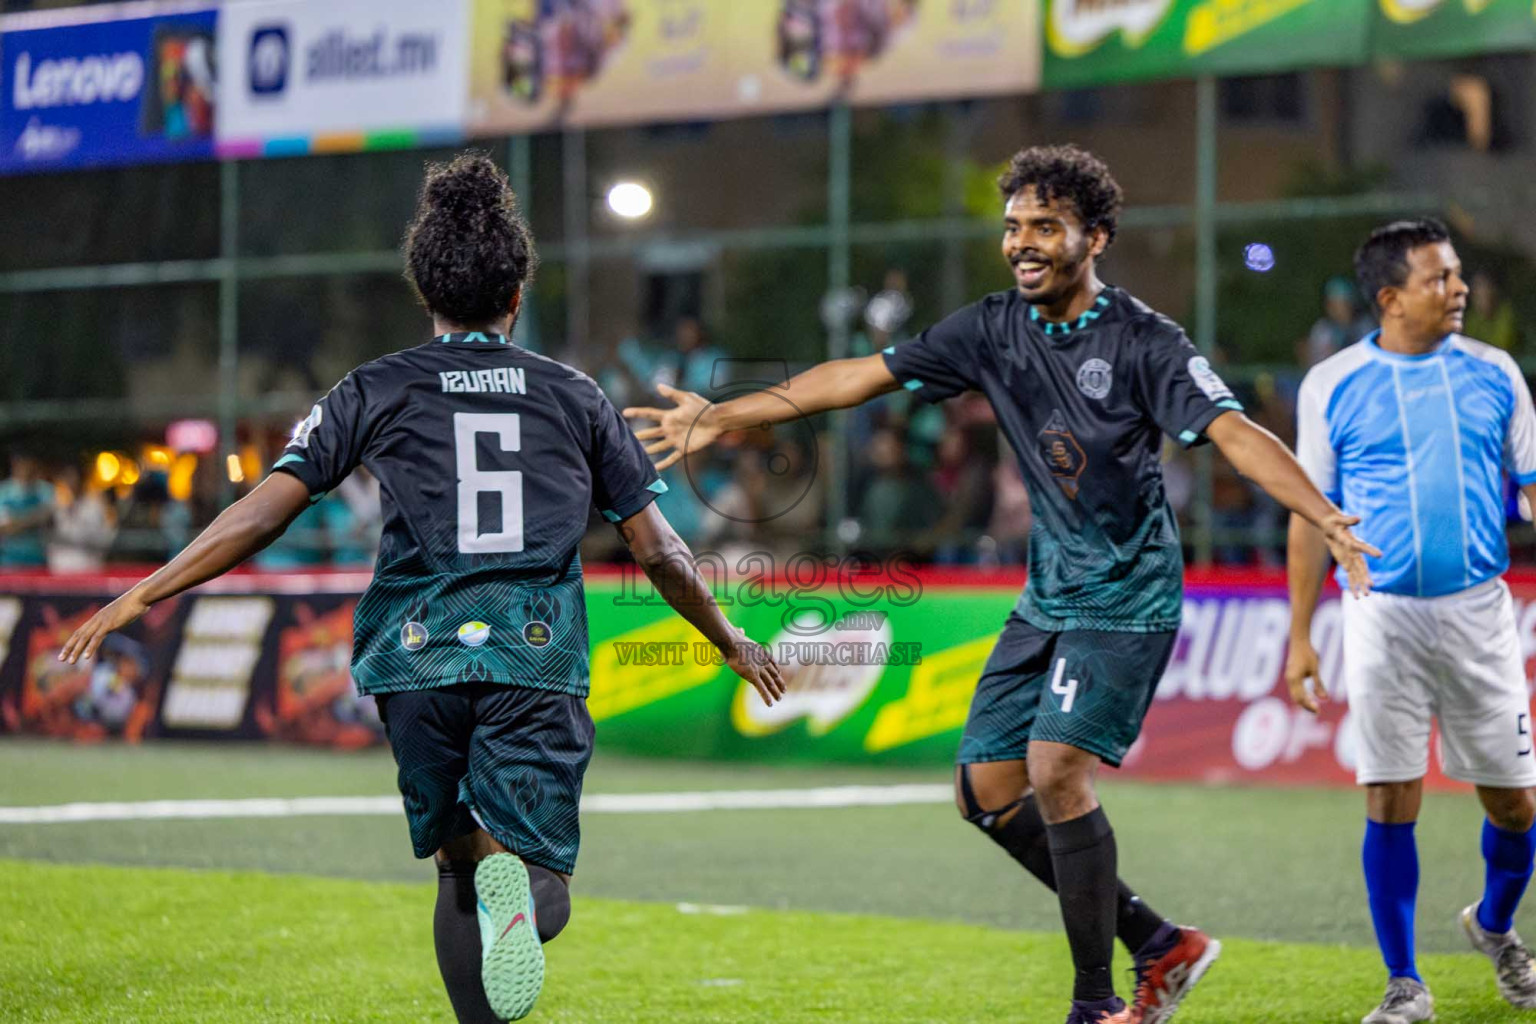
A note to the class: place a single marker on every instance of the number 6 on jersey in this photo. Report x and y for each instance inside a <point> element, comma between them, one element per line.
<point>474,481</point>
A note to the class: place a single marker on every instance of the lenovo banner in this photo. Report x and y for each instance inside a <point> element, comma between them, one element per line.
<point>93,87</point>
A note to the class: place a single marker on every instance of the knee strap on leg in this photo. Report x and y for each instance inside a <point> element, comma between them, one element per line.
<point>974,813</point>
<point>551,901</point>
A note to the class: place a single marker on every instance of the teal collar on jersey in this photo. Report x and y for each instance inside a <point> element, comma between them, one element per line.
<point>475,338</point>
<point>1371,341</point>
<point>1051,327</point>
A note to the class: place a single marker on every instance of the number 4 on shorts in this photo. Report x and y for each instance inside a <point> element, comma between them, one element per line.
<point>1067,690</point>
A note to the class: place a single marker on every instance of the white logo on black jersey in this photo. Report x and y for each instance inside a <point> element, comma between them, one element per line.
<point>1207,380</point>
<point>303,430</point>
<point>1094,378</point>
<point>503,380</point>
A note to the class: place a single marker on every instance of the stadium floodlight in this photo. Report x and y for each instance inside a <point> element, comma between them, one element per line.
<point>630,200</point>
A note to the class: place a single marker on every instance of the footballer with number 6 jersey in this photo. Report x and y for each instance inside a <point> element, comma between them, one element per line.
<point>1415,428</point>
<point>1085,380</point>
<point>473,633</point>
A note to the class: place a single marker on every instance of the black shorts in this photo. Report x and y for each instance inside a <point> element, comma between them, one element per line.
<point>504,758</point>
<point>1086,688</point>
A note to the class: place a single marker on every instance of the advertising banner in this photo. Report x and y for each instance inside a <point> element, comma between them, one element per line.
<point>1449,28</point>
<point>1090,43</point>
<point>881,669</point>
<point>600,62</point>
<point>301,77</point>
<point>252,662</point>
<point>96,87</point>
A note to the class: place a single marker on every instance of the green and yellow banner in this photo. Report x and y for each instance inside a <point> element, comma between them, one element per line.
<point>1089,42</point>
<point>1449,28</point>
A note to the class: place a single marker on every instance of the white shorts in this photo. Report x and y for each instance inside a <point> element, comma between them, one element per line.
<point>1456,658</point>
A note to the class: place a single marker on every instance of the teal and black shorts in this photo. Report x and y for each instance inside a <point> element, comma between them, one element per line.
<point>504,758</point>
<point>1086,688</point>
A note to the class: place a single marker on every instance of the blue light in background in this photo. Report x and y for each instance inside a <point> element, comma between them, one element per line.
<point>1258,256</point>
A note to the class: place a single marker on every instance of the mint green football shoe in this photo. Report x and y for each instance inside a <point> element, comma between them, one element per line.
<point>511,956</point>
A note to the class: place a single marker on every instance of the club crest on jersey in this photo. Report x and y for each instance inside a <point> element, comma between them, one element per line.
<point>306,427</point>
<point>1095,378</point>
<point>1207,380</point>
<point>1062,454</point>
<point>413,636</point>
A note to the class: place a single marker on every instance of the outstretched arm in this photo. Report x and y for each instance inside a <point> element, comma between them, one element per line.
<point>1306,566</point>
<point>1259,456</point>
<point>240,531</point>
<point>694,423</point>
<point>667,561</point>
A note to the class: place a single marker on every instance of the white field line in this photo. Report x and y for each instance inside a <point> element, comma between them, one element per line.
<point>598,803</point>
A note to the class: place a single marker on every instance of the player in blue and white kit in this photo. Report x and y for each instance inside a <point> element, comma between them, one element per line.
<point>1413,429</point>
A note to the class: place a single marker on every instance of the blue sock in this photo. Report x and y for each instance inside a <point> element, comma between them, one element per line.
<point>1391,861</point>
<point>1509,856</point>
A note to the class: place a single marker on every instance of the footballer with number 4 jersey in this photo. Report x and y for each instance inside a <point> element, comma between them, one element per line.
<point>473,633</point>
<point>1085,380</point>
<point>1415,429</point>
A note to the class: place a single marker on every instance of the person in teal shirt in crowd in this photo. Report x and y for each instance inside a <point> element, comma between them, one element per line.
<point>26,509</point>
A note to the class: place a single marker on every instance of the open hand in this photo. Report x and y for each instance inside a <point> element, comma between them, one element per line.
<point>1349,551</point>
<point>754,663</point>
<point>83,643</point>
<point>685,428</point>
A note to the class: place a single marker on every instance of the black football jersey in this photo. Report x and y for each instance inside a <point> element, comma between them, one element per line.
<point>1084,406</point>
<point>489,460</point>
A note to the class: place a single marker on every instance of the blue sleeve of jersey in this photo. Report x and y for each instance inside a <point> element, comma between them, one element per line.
<point>623,479</point>
<point>329,443</point>
<point>944,360</point>
<point>1177,387</point>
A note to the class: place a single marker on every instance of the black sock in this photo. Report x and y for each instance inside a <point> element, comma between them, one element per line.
<point>1083,853</point>
<point>456,934</point>
<point>1023,836</point>
<point>551,901</point>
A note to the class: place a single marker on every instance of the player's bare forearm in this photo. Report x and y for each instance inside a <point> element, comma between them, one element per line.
<point>693,423</point>
<point>668,563</point>
<point>1261,457</point>
<point>240,531</point>
<point>1306,566</point>
<point>839,384</point>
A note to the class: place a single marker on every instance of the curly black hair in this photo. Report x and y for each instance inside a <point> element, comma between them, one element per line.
<point>467,250</point>
<point>1382,261</point>
<point>1067,172</point>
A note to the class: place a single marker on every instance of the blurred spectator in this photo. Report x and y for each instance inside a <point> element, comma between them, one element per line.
<point>691,363</point>
<point>623,370</point>
<point>967,458</point>
<point>146,534</point>
<point>83,525</point>
<point>354,535</point>
<point>26,509</point>
<point>1007,538</point>
<point>773,501</point>
<point>1490,314</point>
<point>1341,324</point>
<point>898,504</point>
